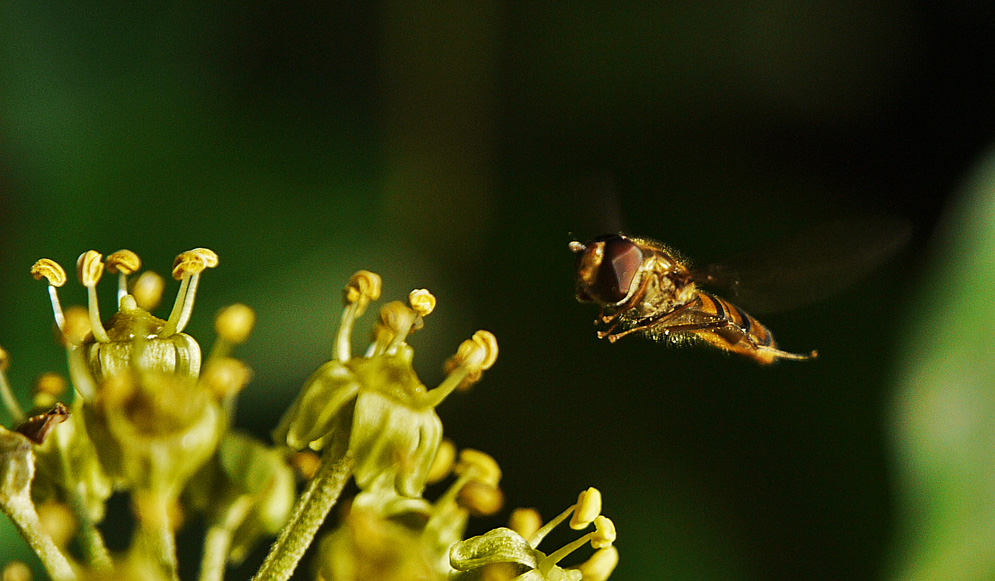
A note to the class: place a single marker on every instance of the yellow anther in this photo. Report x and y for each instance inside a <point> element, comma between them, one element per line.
<point>443,463</point>
<point>124,262</point>
<point>4,359</point>
<point>50,383</point>
<point>604,534</point>
<point>484,468</point>
<point>421,301</point>
<point>187,264</point>
<point>89,268</point>
<point>209,257</point>
<point>397,317</point>
<point>474,355</point>
<point>488,341</point>
<point>588,508</point>
<point>600,566</point>
<point>50,270</point>
<point>234,323</point>
<point>525,521</point>
<point>147,290</point>
<point>480,498</point>
<point>363,287</point>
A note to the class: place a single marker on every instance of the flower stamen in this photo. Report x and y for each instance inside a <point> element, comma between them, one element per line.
<point>56,277</point>
<point>123,262</point>
<point>186,269</point>
<point>468,364</point>
<point>89,269</point>
<point>363,287</point>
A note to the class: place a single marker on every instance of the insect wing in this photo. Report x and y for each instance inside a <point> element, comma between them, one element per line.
<point>808,267</point>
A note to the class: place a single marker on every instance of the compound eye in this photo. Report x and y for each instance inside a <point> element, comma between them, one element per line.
<point>620,262</point>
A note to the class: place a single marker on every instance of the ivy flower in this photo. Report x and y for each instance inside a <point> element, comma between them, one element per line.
<point>377,399</point>
<point>370,416</point>
<point>506,548</point>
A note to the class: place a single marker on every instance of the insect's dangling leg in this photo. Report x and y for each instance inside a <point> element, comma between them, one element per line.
<point>645,324</point>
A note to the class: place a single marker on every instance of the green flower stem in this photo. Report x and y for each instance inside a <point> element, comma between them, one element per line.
<point>93,542</point>
<point>546,564</point>
<point>154,536</point>
<point>309,512</point>
<point>9,401</point>
<point>217,542</point>
<point>22,512</point>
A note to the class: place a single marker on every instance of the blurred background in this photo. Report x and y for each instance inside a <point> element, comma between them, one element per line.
<point>460,146</point>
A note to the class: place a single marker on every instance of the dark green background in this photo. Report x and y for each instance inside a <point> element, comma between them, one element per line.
<point>460,147</point>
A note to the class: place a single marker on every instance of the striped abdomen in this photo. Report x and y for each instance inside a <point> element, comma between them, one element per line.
<point>735,330</point>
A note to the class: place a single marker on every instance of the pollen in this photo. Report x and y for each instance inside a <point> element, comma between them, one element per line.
<point>604,534</point>
<point>422,302</point>
<point>89,268</point>
<point>50,270</point>
<point>363,287</point>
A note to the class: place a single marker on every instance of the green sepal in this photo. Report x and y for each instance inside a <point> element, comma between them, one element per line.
<point>322,407</point>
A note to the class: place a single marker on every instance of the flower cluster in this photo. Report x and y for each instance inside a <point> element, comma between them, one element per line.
<point>152,417</point>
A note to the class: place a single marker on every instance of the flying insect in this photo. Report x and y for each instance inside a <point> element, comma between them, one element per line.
<point>644,287</point>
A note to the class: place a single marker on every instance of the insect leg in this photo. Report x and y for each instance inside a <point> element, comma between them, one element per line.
<point>643,324</point>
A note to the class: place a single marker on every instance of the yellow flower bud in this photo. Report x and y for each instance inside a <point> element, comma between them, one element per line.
<point>600,566</point>
<point>16,571</point>
<point>525,521</point>
<point>50,383</point>
<point>484,467</point>
<point>147,290</point>
<point>76,328</point>
<point>443,463</point>
<point>480,498</point>
<point>226,376</point>
<point>234,323</point>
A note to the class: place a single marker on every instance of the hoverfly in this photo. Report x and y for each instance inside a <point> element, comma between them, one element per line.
<point>645,287</point>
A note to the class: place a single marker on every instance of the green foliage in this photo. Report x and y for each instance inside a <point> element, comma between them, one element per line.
<point>945,407</point>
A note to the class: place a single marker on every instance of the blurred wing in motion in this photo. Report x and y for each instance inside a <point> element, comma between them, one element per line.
<point>808,267</point>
